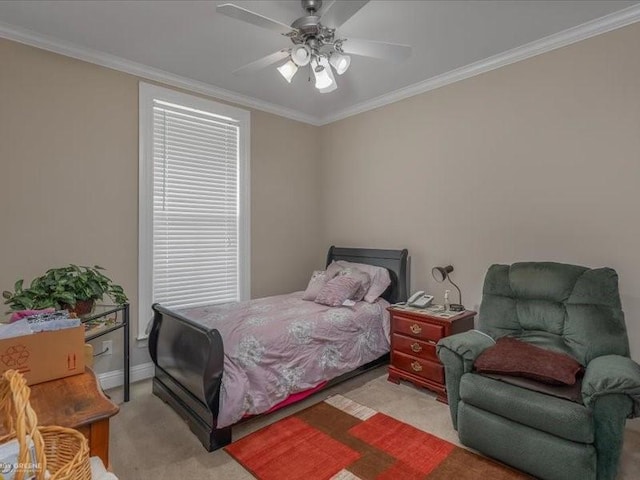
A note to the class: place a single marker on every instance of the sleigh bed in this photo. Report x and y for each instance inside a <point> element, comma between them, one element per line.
<point>189,353</point>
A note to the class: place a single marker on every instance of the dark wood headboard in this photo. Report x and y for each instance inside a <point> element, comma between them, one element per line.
<point>396,261</point>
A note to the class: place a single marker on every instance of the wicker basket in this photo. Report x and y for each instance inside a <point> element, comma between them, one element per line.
<point>63,452</point>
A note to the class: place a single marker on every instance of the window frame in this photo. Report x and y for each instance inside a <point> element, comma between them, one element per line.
<point>147,94</point>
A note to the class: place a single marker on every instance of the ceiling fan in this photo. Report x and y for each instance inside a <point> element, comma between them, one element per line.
<point>315,42</point>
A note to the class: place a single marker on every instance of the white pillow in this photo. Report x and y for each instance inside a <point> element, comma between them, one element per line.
<point>379,276</point>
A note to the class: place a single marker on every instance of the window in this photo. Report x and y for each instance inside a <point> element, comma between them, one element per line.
<point>194,224</point>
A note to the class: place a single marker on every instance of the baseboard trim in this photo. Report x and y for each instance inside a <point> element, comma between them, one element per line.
<point>115,378</point>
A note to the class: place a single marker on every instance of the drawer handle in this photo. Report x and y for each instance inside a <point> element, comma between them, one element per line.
<point>415,347</point>
<point>416,367</point>
<point>415,328</point>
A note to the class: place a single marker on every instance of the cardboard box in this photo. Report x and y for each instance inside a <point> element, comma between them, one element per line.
<point>44,356</point>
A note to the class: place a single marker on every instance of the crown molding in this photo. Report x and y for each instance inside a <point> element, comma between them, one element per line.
<point>575,34</point>
<point>572,35</point>
<point>29,37</point>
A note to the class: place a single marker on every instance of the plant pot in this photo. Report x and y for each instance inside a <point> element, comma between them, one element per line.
<point>82,307</point>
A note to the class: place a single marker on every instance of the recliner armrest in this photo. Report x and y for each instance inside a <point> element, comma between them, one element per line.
<point>467,346</point>
<point>457,353</point>
<point>612,374</point>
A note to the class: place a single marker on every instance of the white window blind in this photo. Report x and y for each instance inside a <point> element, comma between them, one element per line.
<point>195,208</point>
<point>196,240</point>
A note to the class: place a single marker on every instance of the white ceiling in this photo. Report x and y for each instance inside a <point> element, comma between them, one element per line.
<point>189,39</point>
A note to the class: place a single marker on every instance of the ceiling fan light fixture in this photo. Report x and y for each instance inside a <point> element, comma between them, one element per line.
<point>288,70</point>
<point>330,88</point>
<point>314,41</point>
<point>301,55</point>
<point>340,62</point>
<point>325,81</point>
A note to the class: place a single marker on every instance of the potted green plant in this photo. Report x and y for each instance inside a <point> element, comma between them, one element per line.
<point>75,288</point>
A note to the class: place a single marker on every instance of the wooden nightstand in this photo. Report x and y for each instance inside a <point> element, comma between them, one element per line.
<point>414,335</point>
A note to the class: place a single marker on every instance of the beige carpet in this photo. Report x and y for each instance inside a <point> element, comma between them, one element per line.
<point>150,441</point>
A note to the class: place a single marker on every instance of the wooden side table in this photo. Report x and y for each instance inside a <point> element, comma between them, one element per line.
<point>414,335</point>
<point>77,402</point>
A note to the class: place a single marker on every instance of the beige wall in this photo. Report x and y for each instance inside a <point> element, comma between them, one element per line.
<point>285,204</point>
<point>69,180</point>
<point>539,160</point>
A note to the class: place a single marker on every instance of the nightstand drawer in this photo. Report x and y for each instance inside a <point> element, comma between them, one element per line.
<point>420,367</point>
<point>417,329</point>
<point>412,346</point>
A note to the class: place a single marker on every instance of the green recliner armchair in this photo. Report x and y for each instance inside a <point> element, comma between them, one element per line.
<point>564,308</point>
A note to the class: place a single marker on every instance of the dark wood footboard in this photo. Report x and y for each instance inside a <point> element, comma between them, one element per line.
<point>189,361</point>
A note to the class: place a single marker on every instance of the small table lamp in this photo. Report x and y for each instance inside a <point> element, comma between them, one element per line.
<point>440,274</point>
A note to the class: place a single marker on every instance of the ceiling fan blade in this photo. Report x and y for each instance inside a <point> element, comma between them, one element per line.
<point>340,11</point>
<point>369,48</point>
<point>253,18</point>
<point>262,63</point>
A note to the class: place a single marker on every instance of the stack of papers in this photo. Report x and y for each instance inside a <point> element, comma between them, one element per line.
<point>46,322</point>
<point>43,322</point>
<point>433,310</point>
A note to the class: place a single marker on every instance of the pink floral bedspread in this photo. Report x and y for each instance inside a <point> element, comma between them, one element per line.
<point>280,345</point>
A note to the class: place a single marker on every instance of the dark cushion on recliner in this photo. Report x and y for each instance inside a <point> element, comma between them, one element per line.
<point>566,304</point>
<point>510,356</point>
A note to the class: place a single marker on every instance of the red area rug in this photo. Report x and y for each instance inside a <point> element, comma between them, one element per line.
<point>339,439</point>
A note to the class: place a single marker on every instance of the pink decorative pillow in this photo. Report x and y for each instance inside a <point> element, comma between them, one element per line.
<point>362,277</point>
<point>317,281</point>
<point>334,269</point>
<point>337,290</point>
<point>379,276</point>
